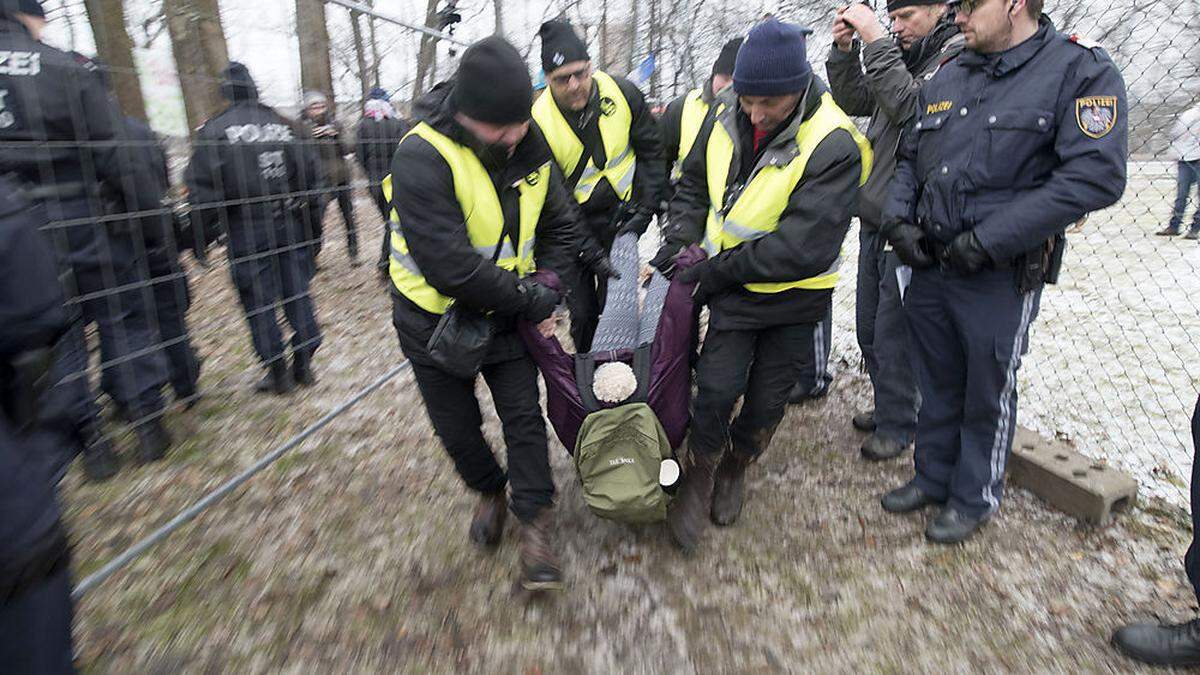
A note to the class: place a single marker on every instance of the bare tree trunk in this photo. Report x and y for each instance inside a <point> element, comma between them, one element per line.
<point>360,54</point>
<point>498,5</point>
<point>427,55</point>
<point>316,74</point>
<point>633,31</point>
<point>604,35</point>
<point>654,43</point>
<point>375,58</point>
<point>115,49</point>
<point>198,45</point>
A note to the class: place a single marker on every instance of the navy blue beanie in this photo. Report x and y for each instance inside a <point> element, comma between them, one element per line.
<point>377,94</point>
<point>773,61</point>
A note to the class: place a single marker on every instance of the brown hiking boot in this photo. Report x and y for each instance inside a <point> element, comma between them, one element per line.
<point>488,523</point>
<point>540,569</point>
<point>687,513</point>
<point>729,489</point>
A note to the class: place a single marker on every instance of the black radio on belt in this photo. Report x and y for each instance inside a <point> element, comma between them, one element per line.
<point>1041,265</point>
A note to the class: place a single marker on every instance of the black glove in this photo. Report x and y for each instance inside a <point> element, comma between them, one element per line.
<point>540,300</point>
<point>965,255</point>
<point>637,221</point>
<point>909,243</point>
<point>664,260</point>
<point>603,268</point>
<point>708,276</point>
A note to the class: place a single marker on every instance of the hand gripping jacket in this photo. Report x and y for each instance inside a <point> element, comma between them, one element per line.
<point>755,211</point>
<point>616,119</point>
<point>480,204</point>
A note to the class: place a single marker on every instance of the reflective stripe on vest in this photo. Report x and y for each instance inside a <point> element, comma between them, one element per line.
<point>690,121</point>
<point>616,120</point>
<point>476,196</point>
<point>759,206</point>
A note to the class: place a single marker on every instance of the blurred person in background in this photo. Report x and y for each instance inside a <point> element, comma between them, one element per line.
<point>1185,146</point>
<point>332,148</point>
<point>379,132</point>
<point>877,74</point>
<point>252,170</point>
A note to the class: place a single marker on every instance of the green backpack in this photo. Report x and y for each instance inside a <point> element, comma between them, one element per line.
<point>618,454</point>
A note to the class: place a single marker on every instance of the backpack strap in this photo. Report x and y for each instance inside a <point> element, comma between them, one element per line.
<point>585,373</point>
<point>642,364</point>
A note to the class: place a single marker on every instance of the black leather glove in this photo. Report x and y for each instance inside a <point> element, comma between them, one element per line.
<point>637,221</point>
<point>965,255</point>
<point>540,300</point>
<point>708,276</point>
<point>664,260</point>
<point>603,268</point>
<point>909,243</point>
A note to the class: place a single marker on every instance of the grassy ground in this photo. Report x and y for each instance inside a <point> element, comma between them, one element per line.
<point>350,554</point>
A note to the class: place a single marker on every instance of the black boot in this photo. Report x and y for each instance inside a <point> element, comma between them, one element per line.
<point>488,522</point>
<point>729,489</point>
<point>99,461</point>
<point>1161,645</point>
<point>877,448</point>
<point>864,421</point>
<point>952,527</point>
<point>688,511</point>
<point>1168,231</point>
<point>302,370</point>
<point>278,379</point>
<point>540,569</point>
<point>906,498</point>
<point>153,441</point>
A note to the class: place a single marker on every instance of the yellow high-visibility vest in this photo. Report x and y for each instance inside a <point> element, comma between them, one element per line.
<point>690,121</point>
<point>758,208</point>
<point>616,120</point>
<point>481,209</point>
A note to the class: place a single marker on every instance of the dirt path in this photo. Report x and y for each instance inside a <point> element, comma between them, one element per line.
<point>350,554</point>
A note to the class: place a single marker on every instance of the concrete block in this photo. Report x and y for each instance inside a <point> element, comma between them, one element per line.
<point>1076,485</point>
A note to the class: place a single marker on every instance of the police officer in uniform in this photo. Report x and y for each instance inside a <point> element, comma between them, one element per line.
<point>609,147</point>
<point>478,205</point>
<point>252,156</point>
<point>58,132</point>
<point>35,584</point>
<point>1019,136</point>
<point>768,189</point>
<point>877,74</point>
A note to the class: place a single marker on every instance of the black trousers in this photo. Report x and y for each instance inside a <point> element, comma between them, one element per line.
<point>385,249</point>
<point>344,194</point>
<point>762,365</point>
<point>1191,561</point>
<point>35,629</point>
<point>457,420</point>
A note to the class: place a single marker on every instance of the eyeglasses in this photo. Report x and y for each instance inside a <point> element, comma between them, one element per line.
<point>564,78</point>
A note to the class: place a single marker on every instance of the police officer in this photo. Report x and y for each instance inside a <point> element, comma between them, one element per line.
<point>478,205</point>
<point>681,122</point>
<point>1173,644</point>
<point>250,169</point>
<point>608,145</point>
<point>35,585</point>
<point>378,133</point>
<point>58,131</point>
<point>877,74</point>
<point>768,188</point>
<point>1019,136</point>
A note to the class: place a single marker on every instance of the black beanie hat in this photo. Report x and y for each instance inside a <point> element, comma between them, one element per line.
<point>560,45</point>
<point>30,7</point>
<point>894,5</point>
<point>728,57</point>
<point>773,61</point>
<point>492,84</point>
<point>237,85</point>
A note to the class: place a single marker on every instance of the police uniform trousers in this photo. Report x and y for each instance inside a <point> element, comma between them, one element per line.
<point>107,280</point>
<point>814,364</point>
<point>35,629</point>
<point>761,365</point>
<point>884,340</point>
<point>454,411</point>
<point>968,336</point>
<point>172,298</point>
<point>271,265</point>
<point>1191,561</point>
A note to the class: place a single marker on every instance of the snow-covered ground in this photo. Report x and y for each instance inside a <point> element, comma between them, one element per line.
<point>1114,357</point>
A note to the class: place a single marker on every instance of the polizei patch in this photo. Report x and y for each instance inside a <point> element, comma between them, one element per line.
<point>1097,115</point>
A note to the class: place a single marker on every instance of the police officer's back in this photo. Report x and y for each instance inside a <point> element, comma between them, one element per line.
<point>1015,139</point>
<point>251,169</point>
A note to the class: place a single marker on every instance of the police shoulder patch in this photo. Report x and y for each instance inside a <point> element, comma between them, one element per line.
<point>1096,115</point>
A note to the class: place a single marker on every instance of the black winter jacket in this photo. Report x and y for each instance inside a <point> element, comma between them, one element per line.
<point>377,141</point>
<point>811,229</point>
